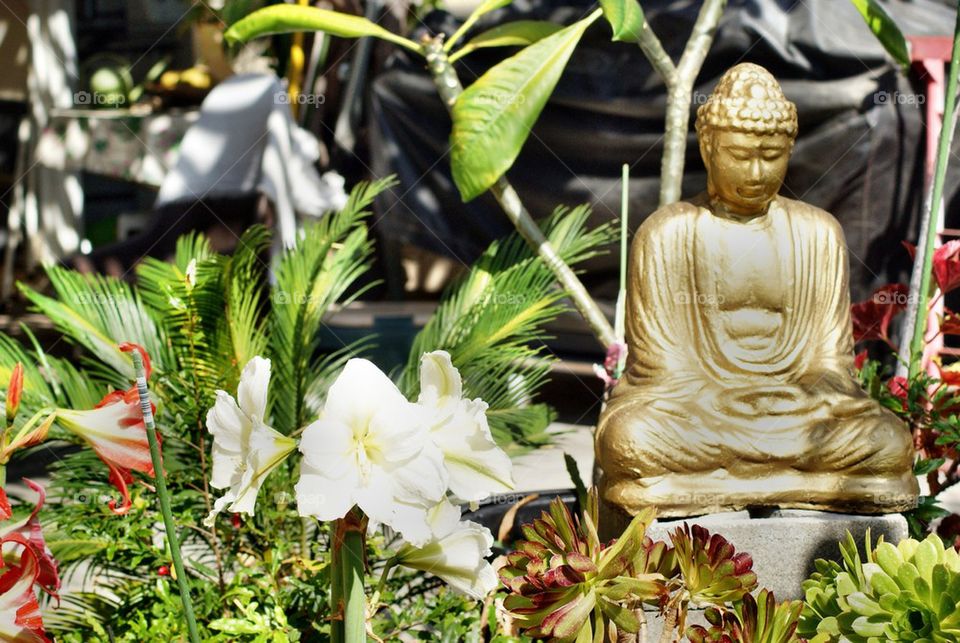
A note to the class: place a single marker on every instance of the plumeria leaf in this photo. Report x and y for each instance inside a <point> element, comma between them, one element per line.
<point>493,117</point>
<point>518,33</point>
<point>885,29</point>
<point>287,18</point>
<point>625,17</point>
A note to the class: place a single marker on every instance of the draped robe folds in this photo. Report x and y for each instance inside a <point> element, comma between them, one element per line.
<point>739,386</point>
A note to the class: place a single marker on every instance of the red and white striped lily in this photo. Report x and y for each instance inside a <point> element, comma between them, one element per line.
<point>114,428</point>
<point>25,561</point>
<point>20,619</point>
<point>29,529</point>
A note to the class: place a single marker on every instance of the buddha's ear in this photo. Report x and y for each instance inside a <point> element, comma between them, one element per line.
<point>706,142</point>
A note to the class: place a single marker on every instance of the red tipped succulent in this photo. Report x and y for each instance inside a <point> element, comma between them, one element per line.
<point>760,620</point>
<point>712,570</point>
<point>565,585</point>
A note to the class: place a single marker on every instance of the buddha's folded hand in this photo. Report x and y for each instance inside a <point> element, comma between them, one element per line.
<point>767,399</point>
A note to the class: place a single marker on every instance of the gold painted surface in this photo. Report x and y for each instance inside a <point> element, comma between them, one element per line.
<point>739,389</point>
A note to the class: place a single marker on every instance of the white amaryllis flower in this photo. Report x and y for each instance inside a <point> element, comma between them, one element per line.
<point>477,466</point>
<point>245,450</point>
<point>371,448</point>
<point>457,553</point>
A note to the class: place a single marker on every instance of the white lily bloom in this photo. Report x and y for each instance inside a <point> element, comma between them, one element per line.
<point>477,466</point>
<point>457,553</point>
<point>245,450</point>
<point>371,448</point>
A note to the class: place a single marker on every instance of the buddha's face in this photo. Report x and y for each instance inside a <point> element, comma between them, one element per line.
<point>745,171</point>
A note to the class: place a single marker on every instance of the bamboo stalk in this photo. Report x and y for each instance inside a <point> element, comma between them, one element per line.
<point>934,204</point>
<point>448,86</point>
<point>164,497</point>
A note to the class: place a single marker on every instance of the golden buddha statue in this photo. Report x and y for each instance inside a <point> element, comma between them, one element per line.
<point>739,388</point>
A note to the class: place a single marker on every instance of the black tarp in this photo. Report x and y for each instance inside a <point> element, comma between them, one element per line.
<point>858,156</point>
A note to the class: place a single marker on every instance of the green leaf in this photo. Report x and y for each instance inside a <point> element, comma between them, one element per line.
<point>483,8</point>
<point>924,466</point>
<point>574,472</point>
<point>885,29</point>
<point>286,18</point>
<point>625,17</point>
<point>493,117</point>
<point>513,34</point>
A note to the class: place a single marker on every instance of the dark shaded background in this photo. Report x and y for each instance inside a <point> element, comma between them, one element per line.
<point>858,156</point>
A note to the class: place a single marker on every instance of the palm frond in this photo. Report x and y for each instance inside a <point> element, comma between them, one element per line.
<point>492,324</point>
<point>98,312</point>
<point>243,277</point>
<point>310,277</point>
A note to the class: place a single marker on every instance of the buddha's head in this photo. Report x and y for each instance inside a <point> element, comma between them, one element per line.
<point>746,130</point>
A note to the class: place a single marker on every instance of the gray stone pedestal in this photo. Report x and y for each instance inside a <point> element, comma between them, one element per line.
<point>783,543</point>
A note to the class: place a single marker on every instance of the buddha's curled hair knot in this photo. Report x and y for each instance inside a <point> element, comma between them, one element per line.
<point>748,99</point>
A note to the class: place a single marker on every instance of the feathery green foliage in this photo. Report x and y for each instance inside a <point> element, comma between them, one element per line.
<point>201,317</point>
<point>308,281</point>
<point>492,323</point>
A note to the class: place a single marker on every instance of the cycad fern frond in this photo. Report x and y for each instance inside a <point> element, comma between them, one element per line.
<point>186,298</point>
<point>244,277</point>
<point>310,277</point>
<point>492,324</point>
<point>97,312</point>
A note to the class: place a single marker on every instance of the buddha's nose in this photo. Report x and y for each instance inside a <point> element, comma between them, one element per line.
<point>755,169</point>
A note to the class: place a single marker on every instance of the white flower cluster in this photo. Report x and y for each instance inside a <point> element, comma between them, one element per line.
<point>404,464</point>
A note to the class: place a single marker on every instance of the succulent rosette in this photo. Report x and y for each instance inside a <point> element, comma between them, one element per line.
<point>753,620</point>
<point>907,592</point>
<point>713,572</point>
<point>566,585</point>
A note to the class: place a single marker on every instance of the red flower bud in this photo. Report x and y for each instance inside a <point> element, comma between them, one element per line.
<point>14,391</point>
<point>236,521</point>
<point>163,570</point>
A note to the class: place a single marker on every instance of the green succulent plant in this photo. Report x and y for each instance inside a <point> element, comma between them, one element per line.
<point>908,592</point>
<point>753,620</point>
<point>711,573</point>
<point>565,585</point>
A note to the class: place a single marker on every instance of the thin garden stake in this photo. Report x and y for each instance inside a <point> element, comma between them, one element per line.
<point>164,497</point>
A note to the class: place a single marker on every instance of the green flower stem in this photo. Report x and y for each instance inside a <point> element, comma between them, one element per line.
<point>933,206</point>
<point>448,86</point>
<point>164,497</point>
<point>336,589</point>
<point>352,553</point>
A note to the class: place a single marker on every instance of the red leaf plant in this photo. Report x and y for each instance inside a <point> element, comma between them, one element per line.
<point>946,264</point>
<point>871,318</point>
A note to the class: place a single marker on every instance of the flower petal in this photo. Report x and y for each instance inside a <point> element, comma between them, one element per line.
<point>254,383</point>
<point>267,449</point>
<point>477,466</point>
<point>115,431</point>
<point>230,429</point>
<point>439,379</point>
<point>328,446</point>
<point>457,554</point>
<point>359,391</point>
<point>20,618</point>
<point>322,497</point>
